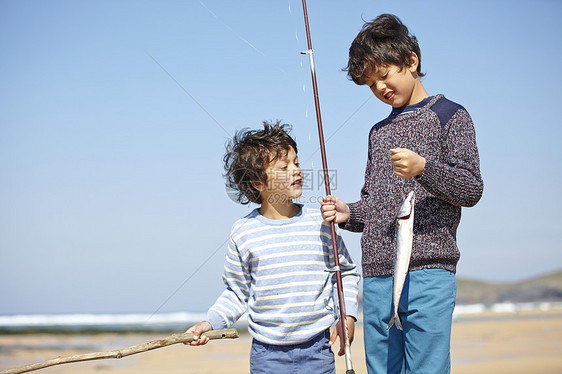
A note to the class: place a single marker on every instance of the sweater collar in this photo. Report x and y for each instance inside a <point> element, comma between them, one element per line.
<point>410,108</point>
<point>278,222</point>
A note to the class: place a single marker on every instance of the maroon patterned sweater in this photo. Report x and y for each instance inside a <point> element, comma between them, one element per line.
<point>443,133</point>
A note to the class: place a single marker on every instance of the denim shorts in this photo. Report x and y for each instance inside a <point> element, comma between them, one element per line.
<point>312,357</point>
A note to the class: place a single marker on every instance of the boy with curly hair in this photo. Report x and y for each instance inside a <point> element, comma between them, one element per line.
<point>426,144</point>
<point>277,261</point>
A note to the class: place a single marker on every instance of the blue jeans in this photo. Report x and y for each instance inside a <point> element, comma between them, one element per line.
<point>312,357</point>
<point>426,311</point>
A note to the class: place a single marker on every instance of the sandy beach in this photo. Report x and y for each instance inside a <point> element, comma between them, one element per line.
<point>520,343</point>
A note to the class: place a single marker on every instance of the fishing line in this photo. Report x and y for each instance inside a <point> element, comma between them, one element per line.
<point>343,124</point>
<point>192,275</point>
<point>187,280</point>
<point>188,94</point>
<point>227,133</point>
<point>246,41</point>
<point>231,29</point>
<point>222,127</point>
<point>295,24</point>
<point>217,122</point>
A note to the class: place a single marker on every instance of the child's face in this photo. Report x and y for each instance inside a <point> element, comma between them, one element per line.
<point>394,85</point>
<point>284,179</point>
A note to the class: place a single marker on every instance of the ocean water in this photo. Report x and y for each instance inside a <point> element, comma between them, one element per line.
<point>475,310</point>
<point>178,322</point>
<point>99,322</point>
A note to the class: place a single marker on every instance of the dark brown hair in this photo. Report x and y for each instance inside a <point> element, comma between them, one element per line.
<point>383,41</point>
<point>248,154</point>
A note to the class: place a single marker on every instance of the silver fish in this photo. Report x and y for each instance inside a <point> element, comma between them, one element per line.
<point>403,251</point>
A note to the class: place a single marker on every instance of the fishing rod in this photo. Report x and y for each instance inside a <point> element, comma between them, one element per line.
<point>336,269</point>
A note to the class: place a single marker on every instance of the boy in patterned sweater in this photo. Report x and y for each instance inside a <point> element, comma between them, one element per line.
<point>277,261</point>
<point>427,144</point>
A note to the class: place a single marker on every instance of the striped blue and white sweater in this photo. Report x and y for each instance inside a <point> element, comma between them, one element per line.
<point>277,271</point>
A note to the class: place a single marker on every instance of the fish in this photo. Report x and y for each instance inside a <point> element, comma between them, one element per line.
<point>403,251</point>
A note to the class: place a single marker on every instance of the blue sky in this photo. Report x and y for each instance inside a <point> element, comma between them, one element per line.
<point>114,116</point>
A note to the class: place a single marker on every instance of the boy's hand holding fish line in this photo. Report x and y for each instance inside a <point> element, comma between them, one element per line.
<point>427,147</point>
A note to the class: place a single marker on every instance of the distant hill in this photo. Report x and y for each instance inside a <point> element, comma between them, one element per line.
<point>543,288</point>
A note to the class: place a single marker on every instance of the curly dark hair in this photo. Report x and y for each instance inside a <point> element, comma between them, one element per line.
<point>248,154</point>
<point>383,41</point>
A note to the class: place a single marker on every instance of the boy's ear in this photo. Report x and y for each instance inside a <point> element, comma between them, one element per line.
<point>414,62</point>
<point>257,185</point>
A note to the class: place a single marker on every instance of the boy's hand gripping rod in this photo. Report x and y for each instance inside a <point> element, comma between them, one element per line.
<point>343,320</point>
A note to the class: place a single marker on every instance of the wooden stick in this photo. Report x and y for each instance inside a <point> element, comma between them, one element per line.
<point>172,339</point>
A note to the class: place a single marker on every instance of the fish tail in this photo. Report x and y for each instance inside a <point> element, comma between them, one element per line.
<point>395,320</point>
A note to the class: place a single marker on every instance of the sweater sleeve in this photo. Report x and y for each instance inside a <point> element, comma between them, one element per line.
<point>456,179</point>
<point>233,302</point>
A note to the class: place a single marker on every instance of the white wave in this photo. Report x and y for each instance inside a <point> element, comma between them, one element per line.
<point>506,307</point>
<point>90,320</point>
<point>469,309</point>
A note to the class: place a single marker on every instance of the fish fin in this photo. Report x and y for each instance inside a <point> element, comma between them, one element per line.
<point>398,323</point>
<point>390,324</point>
<point>395,320</point>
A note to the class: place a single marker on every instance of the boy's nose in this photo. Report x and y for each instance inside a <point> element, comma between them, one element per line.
<point>378,86</point>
